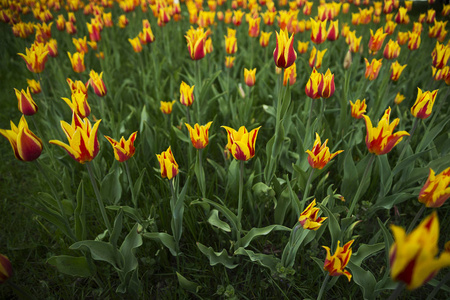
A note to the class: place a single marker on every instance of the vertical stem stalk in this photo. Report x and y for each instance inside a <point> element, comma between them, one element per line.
<point>322,288</point>
<point>398,290</point>
<point>99,198</point>
<point>416,217</point>
<point>306,193</point>
<point>241,190</point>
<point>130,182</point>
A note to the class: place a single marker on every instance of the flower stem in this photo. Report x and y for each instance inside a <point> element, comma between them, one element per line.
<point>322,288</point>
<point>172,207</point>
<point>241,190</point>
<point>188,115</point>
<point>306,193</point>
<point>198,88</point>
<point>416,122</point>
<point>416,217</point>
<point>99,198</point>
<point>358,192</point>
<point>130,182</point>
<point>398,290</point>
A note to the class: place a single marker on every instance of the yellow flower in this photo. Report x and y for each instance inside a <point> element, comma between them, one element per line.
<point>436,190</point>
<point>399,98</point>
<point>25,144</point>
<point>391,50</point>
<point>168,165</point>
<point>249,76</point>
<point>35,86</point>
<point>230,44</point>
<point>241,143</point>
<point>36,56</point>
<point>186,94</point>
<point>284,53</point>
<point>373,68</point>
<point>309,219</point>
<point>320,154</point>
<point>196,39</point>
<point>264,38</point>
<point>166,107</point>
<point>302,47</point>
<point>335,264</point>
<point>97,83</point>
<point>83,143</point>
<point>26,104</point>
<point>290,74</point>
<point>6,270</point>
<point>413,256</point>
<point>358,108</point>
<point>316,57</point>
<point>77,61</point>
<point>124,149</point>
<point>79,104</point>
<point>381,139</point>
<point>229,61</point>
<point>376,40</point>
<point>136,44</point>
<point>199,135</point>
<point>397,70</point>
<point>423,106</point>
<point>318,31</point>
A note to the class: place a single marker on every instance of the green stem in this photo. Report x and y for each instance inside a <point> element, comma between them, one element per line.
<point>99,198</point>
<point>358,192</point>
<point>439,286</point>
<point>398,290</point>
<point>188,115</point>
<point>416,217</point>
<point>416,122</point>
<point>201,173</point>
<point>306,193</point>
<point>130,182</point>
<point>173,204</point>
<point>322,288</point>
<point>58,200</point>
<point>308,124</point>
<point>241,190</point>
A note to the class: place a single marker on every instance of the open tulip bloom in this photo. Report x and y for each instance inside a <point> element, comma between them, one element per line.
<point>241,143</point>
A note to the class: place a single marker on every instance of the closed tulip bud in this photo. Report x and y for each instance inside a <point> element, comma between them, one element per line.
<point>196,39</point>
<point>52,46</point>
<point>335,264</point>
<point>399,98</point>
<point>431,15</point>
<point>320,154</point>
<point>97,83</point>
<point>26,104</point>
<point>414,41</point>
<point>290,75</point>
<point>328,86</point>
<point>6,270</point>
<point>389,28</point>
<point>249,76</point>
<point>358,108</point>
<point>347,60</point>
<point>440,55</point>
<point>60,23</point>
<point>412,256</point>
<point>123,21</point>
<point>402,16</point>
<point>199,135</point>
<point>107,19</point>
<point>307,8</point>
<point>402,38</point>
<point>391,50</point>
<point>241,143</point>
<point>264,39</point>
<point>71,28</point>
<point>253,27</point>
<point>77,61</point>
<point>166,107</point>
<point>436,189</point>
<point>124,149</point>
<point>25,144</point>
<point>314,85</point>
<point>167,164</point>
<point>309,219</point>
<point>237,17</point>
<point>186,94</point>
<point>35,86</point>
<point>423,106</point>
<point>229,61</point>
<point>94,29</point>
<point>445,10</point>
<point>284,53</point>
<point>381,139</point>
<point>373,68</point>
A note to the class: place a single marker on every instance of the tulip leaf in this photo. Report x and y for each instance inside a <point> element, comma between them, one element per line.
<point>256,232</point>
<point>281,206</point>
<point>111,188</point>
<point>181,135</point>
<point>333,225</point>
<point>389,201</point>
<point>207,84</point>
<point>129,211</point>
<point>364,279</point>
<point>100,251</point>
<point>188,285</point>
<point>385,174</point>
<point>144,118</point>
<point>80,214</point>
<point>166,239</point>
<point>71,265</point>
<point>365,251</point>
<point>53,203</point>
<point>430,135</point>
<point>117,229</point>
<point>128,248</point>
<point>268,261</point>
<point>217,257</point>
<point>214,220</point>
<point>138,184</point>
<point>231,217</point>
<point>178,212</point>
<point>350,176</point>
<point>220,171</point>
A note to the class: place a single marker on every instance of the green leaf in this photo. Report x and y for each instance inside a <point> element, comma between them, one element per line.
<point>429,135</point>
<point>364,279</point>
<point>100,251</point>
<point>80,214</point>
<point>255,232</point>
<point>217,257</point>
<point>282,205</point>
<point>181,135</point>
<point>268,261</point>
<point>214,220</point>
<point>350,176</point>
<point>333,225</point>
<point>365,251</point>
<point>166,239</point>
<point>53,218</point>
<point>144,118</point>
<point>117,229</point>
<point>129,211</point>
<point>231,217</point>
<point>111,188</point>
<point>128,248</point>
<point>220,171</point>
<point>71,265</point>
<point>385,174</point>
<point>188,285</point>
<point>138,183</point>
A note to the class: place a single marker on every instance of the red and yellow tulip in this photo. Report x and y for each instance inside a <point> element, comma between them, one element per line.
<point>6,270</point>
<point>376,40</point>
<point>373,68</point>
<point>320,154</point>
<point>335,264</point>
<point>396,70</point>
<point>26,104</point>
<point>166,107</point>
<point>186,94</point>
<point>290,75</point>
<point>167,163</point>
<point>358,108</point>
<point>284,53</point>
<point>36,56</point>
<point>423,106</point>
<point>436,189</point>
<point>391,50</point>
<point>199,135</point>
<point>136,44</point>
<point>35,86</point>
<point>124,149</point>
<point>309,219</point>
<point>97,83</point>
<point>316,57</point>
<point>241,143</point>
<point>77,60</point>
<point>196,39</point>
<point>249,76</point>
<point>264,38</point>
<point>318,31</point>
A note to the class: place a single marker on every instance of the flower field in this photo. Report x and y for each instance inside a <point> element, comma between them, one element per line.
<point>224,149</point>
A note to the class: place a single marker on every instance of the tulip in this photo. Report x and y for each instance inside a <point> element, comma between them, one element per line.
<point>413,41</point>
<point>79,104</point>
<point>230,44</point>
<point>6,270</point>
<point>77,86</point>
<point>196,39</point>
<point>229,61</point>
<point>440,55</point>
<point>431,15</point>
<point>417,27</point>
<point>241,143</point>
<point>381,139</point>
<point>439,74</point>
<point>333,31</point>
<point>124,149</point>
<point>81,44</point>
<point>318,31</point>
<point>264,38</point>
<point>26,104</point>
<point>335,265</point>
<point>327,86</point>
<point>302,47</point>
<point>83,143</point>
<point>399,98</point>
<point>107,19</point>
<point>35,57</point>
<point>314,85</point>
<point>389,28</point>
<point>436,189</point>
<point>268,17</point>
<point>423,106</point>
<point>35,86</point>
<point>402,38</point>
<point>445,10</point>
<point>186,94</point>
<point>358,108</point>
<point>376,40</point>
<point>237,17</point>
<point>373,68</point>
<point>412,257</point>
<point>167,164</point>
<point>136,44</point>
<point>290,75</point>
<point>353,42</point>
<point>71,28</point>
<point>249,76</point>
<point>147,33</point>
<point>391,50</point>
<point>320,154</point>
<point>123,21</point>
<point>77,61</point>
<point>316,57</point>
<point>402,16</point>
<point>60,23</point>
<point>307,8</point>
<point>309,219</point>
<point>166,107</point>
<point>396,70</point>
<point>253,27</point>
<point>25,144</point>
<point>52,47</point>
<point>97,83</point>
<point>284,53</point>
<point>199,135</point>
<point>94,29</point>
<point>347,60</point>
